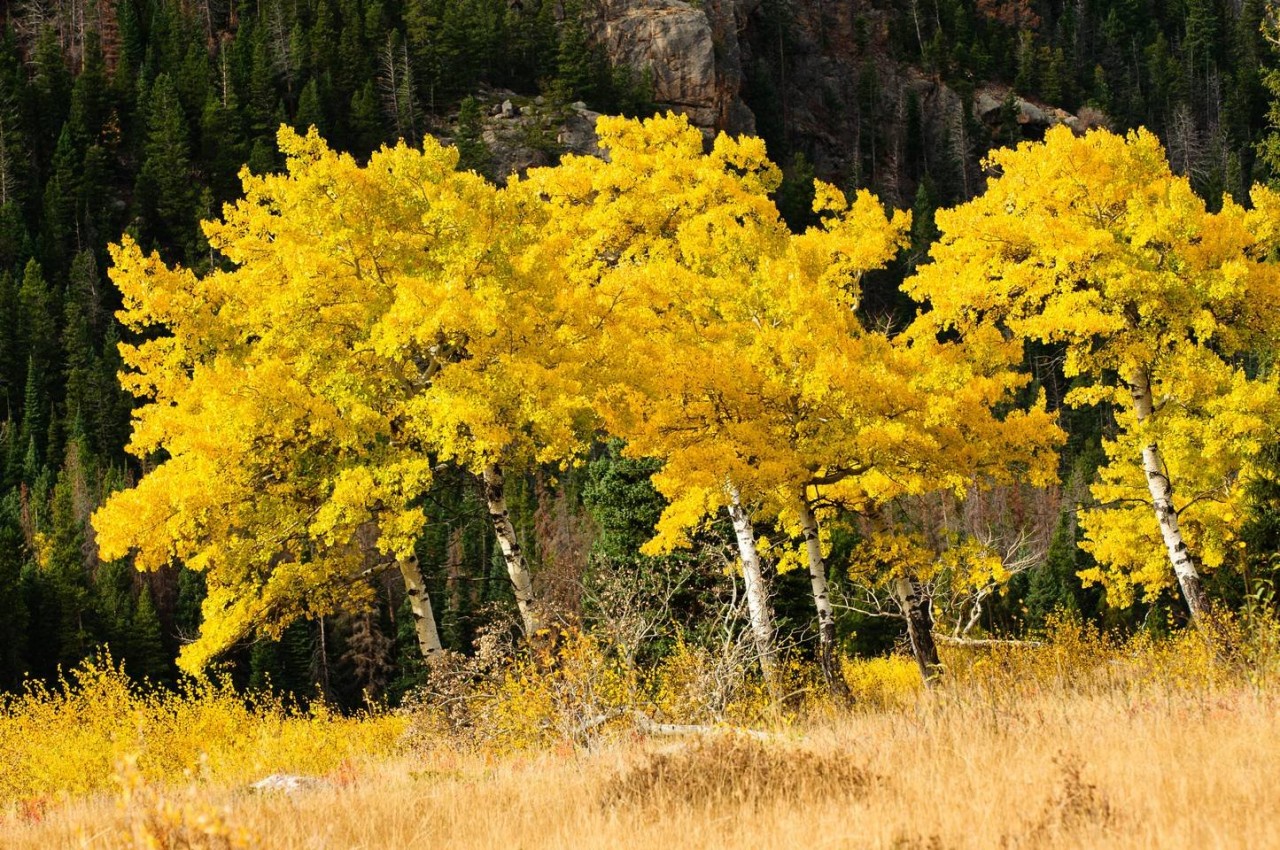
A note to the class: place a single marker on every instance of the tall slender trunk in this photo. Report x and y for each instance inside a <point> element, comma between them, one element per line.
<point>759,611</point>
<point>919,627</point>
<point>828,660</point>
<point>1162,499</point>
<point>517,568</point>
<point>424,619</point>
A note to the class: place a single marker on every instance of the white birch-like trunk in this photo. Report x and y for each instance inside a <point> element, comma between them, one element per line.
<point>919,627</point>
<point>759,610</point>
<point>424,619</point>
<point>828,659</point>
<point>1161,489</point>
<point>517,568</point>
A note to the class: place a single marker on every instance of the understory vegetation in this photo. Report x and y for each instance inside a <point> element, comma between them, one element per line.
<point>1068,726</point>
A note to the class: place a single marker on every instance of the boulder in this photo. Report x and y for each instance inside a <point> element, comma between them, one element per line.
<point>578,133</point>
<point>988,101</point>
<point>287,783</point>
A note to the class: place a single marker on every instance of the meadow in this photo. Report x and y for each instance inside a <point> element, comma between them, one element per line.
<point>1080,741</point>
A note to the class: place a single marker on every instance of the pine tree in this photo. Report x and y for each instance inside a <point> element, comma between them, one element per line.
<point>60,231</point>
<point>64,562</point>
<point>194,78</point>
<point>366,121</point>
<point>114,414</point>
<point>165,190</point>
<point>84,405</point>
<point>223,147</point>
<point>14,454</point>
<point>576,64</point>
<point>90,95</point>
<point>924,230</point>
<point>311,110</point>
<point>323,37</point>
<point>265,669</point>
<point>262,92</point>
<point>15,242</point>
<point>14,161</point>
<point>1052,587</point>
<point>795,194</point>
<point>1201,43</point>
<point>35,423</point>
<point>191,594</point>
<point>39,339</point>
<point>13,371</point>
<point>13,604</point>
<point>148,657</point>
<point>473,153</point>
<point>50,89</point>
<point>132,46</point>
<point>95,217</point>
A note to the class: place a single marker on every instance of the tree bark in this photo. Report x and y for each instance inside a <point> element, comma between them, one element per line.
<point>424,619</point>
<point>828,659</point>
<point>919,627</point>
<point>517,568</point>
<point>1161,489</point>
<point>759,610</point>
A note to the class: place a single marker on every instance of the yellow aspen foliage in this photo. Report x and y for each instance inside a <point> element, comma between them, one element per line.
<point>896,552</point>
<point>740,357</point>
<point>665,234</point>
<point>735,353</point>
<point>967,564</point>
<point>1092,244</point>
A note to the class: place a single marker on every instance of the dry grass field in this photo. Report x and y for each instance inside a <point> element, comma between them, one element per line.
<point>1162,744</point>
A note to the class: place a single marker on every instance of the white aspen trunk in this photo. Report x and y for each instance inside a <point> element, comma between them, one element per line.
<point>919,627</point>
<point>828,660</point>
<point>521,580</point>
<point>759,611</point>
<point>424,619</point>
<point>1161,489</point>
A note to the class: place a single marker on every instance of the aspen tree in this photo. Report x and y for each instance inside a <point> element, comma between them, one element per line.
<point>272,425</point>
<point>375,321</point>
<point>1092,243</point>
<point>623,226</point>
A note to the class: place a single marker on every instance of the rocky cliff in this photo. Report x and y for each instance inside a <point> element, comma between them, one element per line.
<point>812,77</point>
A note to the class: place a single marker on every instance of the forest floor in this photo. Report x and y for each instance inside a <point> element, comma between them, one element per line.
<point>1124,766</point>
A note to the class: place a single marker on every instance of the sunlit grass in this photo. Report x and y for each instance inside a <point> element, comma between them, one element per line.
<point>1084,741</point>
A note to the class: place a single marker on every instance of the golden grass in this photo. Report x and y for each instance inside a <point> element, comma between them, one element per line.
<point>1168,772</point>
<point>1085,743</point>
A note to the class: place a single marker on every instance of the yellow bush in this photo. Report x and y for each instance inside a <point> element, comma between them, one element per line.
<point>880,683</point>
<point>581,691</point>
<point>66,741</point>
<point>694,685</point>
<point>1082,659</point>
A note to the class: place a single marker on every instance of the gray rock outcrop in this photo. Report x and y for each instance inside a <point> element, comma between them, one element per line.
<point>689,52</point>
